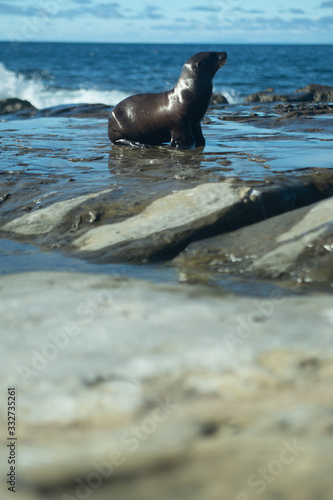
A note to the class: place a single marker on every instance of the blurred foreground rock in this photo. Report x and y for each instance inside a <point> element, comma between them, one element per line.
<point>139,391</point>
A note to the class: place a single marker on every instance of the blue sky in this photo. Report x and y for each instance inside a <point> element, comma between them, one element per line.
<point>164,21</point>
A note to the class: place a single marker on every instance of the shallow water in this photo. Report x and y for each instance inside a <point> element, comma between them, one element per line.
<point>80,148</point>
<point>18,257</point>
<point>50,159</point>
<point>273,150</point>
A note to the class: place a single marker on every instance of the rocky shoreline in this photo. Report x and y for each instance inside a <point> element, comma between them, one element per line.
<point>12,108</point>
<point>184,390</point>
<point>86,227</point>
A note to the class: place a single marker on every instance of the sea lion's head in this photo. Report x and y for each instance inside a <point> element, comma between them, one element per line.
<point>204,63</point>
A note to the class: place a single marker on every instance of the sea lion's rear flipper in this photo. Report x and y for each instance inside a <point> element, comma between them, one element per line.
<point>198,135</point>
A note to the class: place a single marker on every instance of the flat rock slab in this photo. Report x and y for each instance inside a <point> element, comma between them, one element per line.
<point>138,391</point>
<point>164,227</point>
<point>48,219</point>
<point>297,244</point>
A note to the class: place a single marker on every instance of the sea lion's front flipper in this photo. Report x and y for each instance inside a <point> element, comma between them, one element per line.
<point>182,136</point>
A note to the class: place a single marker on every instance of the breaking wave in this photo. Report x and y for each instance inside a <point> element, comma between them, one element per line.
<point>14,84</point>
<point>232,96</point>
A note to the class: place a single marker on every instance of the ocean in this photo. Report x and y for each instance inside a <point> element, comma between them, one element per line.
<point>51,74</point>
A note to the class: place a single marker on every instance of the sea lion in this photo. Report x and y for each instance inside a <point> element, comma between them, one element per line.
<point>175,115</point>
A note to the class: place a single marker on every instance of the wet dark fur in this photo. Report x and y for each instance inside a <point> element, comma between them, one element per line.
<point>175,115</point>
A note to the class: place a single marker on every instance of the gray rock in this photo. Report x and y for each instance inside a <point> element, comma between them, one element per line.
<point>313,93</point>
<point>167,225</point>
<point>81,110</point>
<point>218,99</point>
<point>298,244</point>
<point>138,391</point>
<point>319,92</point>
<point>266,96</point>
<point>47,219</point>
<point>306,248</point>
<point>13,105</point>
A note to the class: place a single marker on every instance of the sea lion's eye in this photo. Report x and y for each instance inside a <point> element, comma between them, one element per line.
<point>197,65</point>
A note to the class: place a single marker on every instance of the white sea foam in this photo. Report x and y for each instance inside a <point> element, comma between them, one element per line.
<point>49,98</point>
<point>16,85</point>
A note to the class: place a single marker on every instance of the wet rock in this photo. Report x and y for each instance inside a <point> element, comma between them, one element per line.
<point>319,92</point>
<point>305,250</point>
<point>47,219</point>
<point>4,197</point>
<point>24,109</point>
<point>262,96</point>
<point>298,244</point>
<point>13,105</point>
<point>269,95</point>
<point>162,228</point>
<point>82,110</point>
<point>292,111</point>
<point>218,99</point>
<point>143,391</point>
<point>245,118</point>
<point>312,93</point>
<point>165,226</point>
